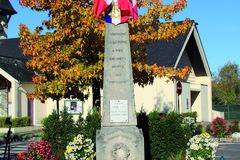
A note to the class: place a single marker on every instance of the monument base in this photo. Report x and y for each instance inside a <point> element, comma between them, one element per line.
<point>120,143</point>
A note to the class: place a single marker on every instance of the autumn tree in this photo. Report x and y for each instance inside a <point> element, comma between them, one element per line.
<point>226,85</point>
<point>69,57</point>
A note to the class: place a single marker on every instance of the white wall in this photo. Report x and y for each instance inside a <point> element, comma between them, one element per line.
<point>42,110</point>
<point>185,98</point>
<point>207,81</point>
<point>204,103</point>
<point>158,96</point>
<point>23,102</point>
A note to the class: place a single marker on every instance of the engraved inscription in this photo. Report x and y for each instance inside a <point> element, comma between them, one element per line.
<point>118,42</point>
<point>119,111</point>
<point>117,66</point>
<point>118,34</point>
<point>116,58</point>
<point>118,81</point>
<point>117,50</point>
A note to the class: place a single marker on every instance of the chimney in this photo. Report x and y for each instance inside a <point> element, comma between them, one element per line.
<point>6,11</point>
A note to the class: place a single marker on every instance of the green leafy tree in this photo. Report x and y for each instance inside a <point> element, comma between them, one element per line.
<point>226,85</point>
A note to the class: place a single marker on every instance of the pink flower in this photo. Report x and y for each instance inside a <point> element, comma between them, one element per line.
<point>36,149</point>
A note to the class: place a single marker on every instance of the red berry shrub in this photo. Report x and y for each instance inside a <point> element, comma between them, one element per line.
<point>219,127</point>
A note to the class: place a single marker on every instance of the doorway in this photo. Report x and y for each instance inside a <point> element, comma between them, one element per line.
<point>30,110</point>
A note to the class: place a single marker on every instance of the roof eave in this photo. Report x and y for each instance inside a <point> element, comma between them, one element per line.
<point>195,33</point>
<point>184,45</point>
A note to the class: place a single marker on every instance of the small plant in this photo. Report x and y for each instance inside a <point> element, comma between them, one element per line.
<point>88,126</point>
<point>40,150</point>
<point>218,127</point>
<point>80,149</point>
<point>201,147</point>
<point>236,135</point>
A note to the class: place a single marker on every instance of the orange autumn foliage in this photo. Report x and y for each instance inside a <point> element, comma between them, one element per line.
<point>70,56</point>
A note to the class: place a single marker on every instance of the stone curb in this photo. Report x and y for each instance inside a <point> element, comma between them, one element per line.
<point>227,140</point>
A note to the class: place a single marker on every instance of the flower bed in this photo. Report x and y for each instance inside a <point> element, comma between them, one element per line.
<point>201,147</point>
<point>80,149</point>
<point>40,150</point>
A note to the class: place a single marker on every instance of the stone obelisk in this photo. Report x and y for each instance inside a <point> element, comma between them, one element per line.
<point>118,138</point>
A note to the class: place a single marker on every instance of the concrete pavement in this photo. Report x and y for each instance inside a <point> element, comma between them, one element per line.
<point>16,147</point>
<point>230,151</point>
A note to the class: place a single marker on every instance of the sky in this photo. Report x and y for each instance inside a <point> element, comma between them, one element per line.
<point>218,26</point>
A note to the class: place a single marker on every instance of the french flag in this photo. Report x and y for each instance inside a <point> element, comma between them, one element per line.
<point>128,9</point>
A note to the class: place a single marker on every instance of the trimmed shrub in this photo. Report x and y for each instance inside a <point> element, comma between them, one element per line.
<point>59,130</point>
<point>21,122</point>
<point>189,114</point>
<point>2,122</point>
<point>88,126</point>
<point>16,122</point>
<point>142,121</point>
<point>167,136</point>
<point>178,156</point>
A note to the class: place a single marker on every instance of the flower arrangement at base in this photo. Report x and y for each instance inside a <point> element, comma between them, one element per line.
<point>80,149</point>
<point>201,147</point>
<point>40,150</point>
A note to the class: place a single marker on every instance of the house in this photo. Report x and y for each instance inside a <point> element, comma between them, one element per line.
<point>15,81</point>
<point>185,50</point>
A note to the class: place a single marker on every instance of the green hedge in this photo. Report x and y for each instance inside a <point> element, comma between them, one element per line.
<point>189,114</point>
<point>60,129</point>
<point>16,122</point>
<point>164,134</point>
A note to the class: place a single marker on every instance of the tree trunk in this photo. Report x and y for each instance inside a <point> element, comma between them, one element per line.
<point>96,94</point>
<point>57,102</point>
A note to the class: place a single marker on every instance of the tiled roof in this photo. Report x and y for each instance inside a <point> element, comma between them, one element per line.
<point>13,61</point>
<point>165,52</point>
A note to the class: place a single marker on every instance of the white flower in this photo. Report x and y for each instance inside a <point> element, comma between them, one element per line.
<point>200,143</point>
<point>80,148</point>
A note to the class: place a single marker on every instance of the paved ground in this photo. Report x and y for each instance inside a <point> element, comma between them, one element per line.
<point>230,151</point>
<point>16,147</point>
